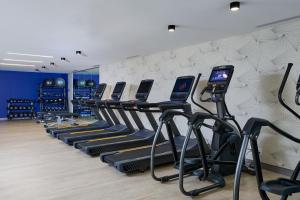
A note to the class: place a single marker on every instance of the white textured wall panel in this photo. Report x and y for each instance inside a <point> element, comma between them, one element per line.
<point>260,59</point>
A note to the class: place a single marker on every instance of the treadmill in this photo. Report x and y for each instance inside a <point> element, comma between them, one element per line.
<point>139,138</point>
<point>117,130</point>
<point>138,159</point>
<point>96,125</point>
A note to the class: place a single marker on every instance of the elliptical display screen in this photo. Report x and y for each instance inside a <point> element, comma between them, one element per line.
<point>219,75</point>
<point>145,87</point>
<point>183,85</point>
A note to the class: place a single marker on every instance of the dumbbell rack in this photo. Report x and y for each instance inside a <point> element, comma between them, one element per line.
<point>20,109</point>
<point>83,93</point>
<point>52,99</point>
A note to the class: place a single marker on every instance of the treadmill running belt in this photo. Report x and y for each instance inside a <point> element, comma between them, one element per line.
<point>138,159</point>
<point>98,146</point>
<point>71,138</point>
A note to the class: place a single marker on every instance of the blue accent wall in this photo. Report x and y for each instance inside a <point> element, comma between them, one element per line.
<point>25,85</point>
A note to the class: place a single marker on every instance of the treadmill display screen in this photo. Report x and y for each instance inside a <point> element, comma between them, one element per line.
<point>183,85</point>
<point>144,87</point>
<point>118,88</point>
<point>100,89</point>
<point>219,75</point>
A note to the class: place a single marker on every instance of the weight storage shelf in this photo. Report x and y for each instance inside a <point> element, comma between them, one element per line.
<point>20,109</point>
<point>83,89</point>
<point>53,95</point>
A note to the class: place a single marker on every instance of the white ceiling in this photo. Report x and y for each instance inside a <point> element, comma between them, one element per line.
<point>112,30</point>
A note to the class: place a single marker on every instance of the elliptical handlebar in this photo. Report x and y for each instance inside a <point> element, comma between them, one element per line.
<point>251,131</point>
<point>202,116</point>
<point>254,124</point>
<point>193,93</point>
<point>297,100</point>
<point>283,83</point>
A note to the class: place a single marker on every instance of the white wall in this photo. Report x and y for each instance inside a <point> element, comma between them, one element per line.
<point>259,58</point>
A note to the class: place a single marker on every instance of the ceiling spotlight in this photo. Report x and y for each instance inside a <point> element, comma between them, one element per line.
<point>235,6</point>
<point>64,59</point>
<point>52,63</point>
<point>78,52</point>
<point>44,67</point>
<point>171,28</point>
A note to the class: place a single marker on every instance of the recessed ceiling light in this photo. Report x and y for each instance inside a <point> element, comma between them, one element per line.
<point>235,6</point>
<point>171,28</point>
<point>27,54</point>
<point>20,65</point>
<point>28,61</point>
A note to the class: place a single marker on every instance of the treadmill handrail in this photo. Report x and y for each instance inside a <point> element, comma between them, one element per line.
<point>130,105</point>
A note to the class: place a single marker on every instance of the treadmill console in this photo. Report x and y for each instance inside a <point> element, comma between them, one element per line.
<point>144,90</point>
<point>219,79</point>
<point>118,91</point>
<point>182,88</point>
<point>100,91</point>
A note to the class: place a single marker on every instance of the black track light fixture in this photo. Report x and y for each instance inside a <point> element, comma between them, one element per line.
<point>235,6</point>
<point>81,53</point>
<point>52,63</point>
<point>64,59</point>
<point>171,28</point>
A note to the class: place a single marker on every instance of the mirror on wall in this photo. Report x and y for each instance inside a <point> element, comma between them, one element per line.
<point>85,83</point>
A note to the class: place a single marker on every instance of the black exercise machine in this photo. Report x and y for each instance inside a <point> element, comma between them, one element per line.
<point>116,130</point>
<point>220,158</point>
<point>139,138</point>
<point>138,159</point>
<point>283,187</point>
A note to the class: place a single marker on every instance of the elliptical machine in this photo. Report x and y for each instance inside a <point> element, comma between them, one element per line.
<point>220,158</point>
<point>283,187</point>
<point>226,139</point>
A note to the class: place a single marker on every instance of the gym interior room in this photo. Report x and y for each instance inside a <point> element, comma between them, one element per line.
<point>150,99</point>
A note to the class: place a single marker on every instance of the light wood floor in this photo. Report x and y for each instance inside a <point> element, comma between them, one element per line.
<point>33,165</point>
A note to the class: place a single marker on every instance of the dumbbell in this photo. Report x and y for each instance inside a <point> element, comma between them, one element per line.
<point>24,114</point>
